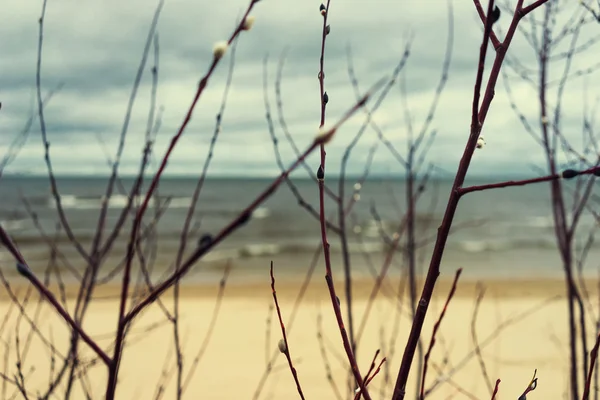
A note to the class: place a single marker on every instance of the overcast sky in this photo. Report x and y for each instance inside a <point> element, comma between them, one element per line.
<point>92,50</point>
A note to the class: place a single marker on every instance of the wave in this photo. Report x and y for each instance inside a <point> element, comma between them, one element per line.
<point>13,224</point>
<point>292,249</point>
<point>539,222</point>
<point>117,201</point>
<point>261,213</point>
<point>73,202</point>
<point>499,245</point>
<point>248,248</point>
<point>372,228</point>
<point>257,250</point>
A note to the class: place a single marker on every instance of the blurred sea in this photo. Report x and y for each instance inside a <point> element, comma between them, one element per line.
<point>500,233</point>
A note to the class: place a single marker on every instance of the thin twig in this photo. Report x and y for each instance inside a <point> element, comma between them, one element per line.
<point>436,327</point>
<point>285,348</point>
<point>593,359</point>
<point>476,347</point>
<point>496,389</point>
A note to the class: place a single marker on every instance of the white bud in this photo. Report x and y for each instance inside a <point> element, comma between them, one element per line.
<point>480,142</point>
<point>533,384</point>
<point>544,120</point>
<point>248,22</point>
<point>357,186</point>
<point>357,229</point>
<point>219,49</point>
<point>323,134</point>
<point>395,236</point>
<point>356,197</point>
<point>282,346</point>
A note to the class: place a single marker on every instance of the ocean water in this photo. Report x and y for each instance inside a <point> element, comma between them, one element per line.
<point>499,233</point>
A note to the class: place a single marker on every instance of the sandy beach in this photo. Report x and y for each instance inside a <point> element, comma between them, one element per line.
<point>529,318</point>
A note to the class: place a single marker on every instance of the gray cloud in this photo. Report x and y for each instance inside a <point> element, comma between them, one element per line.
<point>94,49</point>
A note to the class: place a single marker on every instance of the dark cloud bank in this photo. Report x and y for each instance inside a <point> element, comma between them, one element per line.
<point>93,50</point>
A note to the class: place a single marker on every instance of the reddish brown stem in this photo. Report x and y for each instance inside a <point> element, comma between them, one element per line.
<point>499,185</point>
<point>8,243</point>
<point>335,300</point>
<point>321,76</point>
<point>348,344</point>
<point>478,118</point>
<point>370,377</point>
<point>530,388</point>
<point>286,350</point>
<point>496,389</point>
<point>436,327</point>
<point>593,359</point>
<point>376,371</point>
<point>493,38</point>
<point>293,314</point>
<point>372,366</point>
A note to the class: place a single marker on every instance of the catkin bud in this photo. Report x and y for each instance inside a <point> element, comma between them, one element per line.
<point>219,49</point>
<point>282,346</point>
<point>533,385</point>
<point>324,136</point>
<point>480,142</point>
<point>323,9</point>
<point>495,14</point>
<point>248,22</point>
<point>23,269</point>
<point>320,173</point>
<point>205,240</point>
<point>245,218</point>
<point>569,173</point>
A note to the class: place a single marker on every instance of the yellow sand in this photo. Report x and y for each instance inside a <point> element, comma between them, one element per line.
<point>235,360</point>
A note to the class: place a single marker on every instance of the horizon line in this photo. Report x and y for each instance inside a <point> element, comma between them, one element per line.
<point>255,177</point>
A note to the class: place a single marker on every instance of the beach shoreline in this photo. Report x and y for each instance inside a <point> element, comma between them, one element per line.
<point>246,332</point>
<point>362,288</point>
